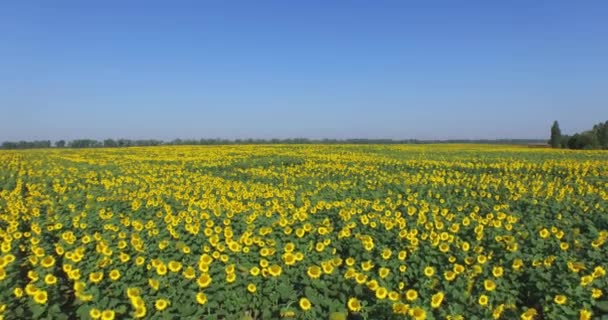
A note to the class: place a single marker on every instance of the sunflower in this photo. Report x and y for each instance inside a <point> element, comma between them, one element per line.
<point>483,300</point>
<point>489,285</point>
<point>41,297</point>
<point>107,315</point>
<point>314,272</point>
<point>497,271</point>
<point>381,293</point>
<point>429,271</point>
<point>154,284</point>
<point>274,270</point>
<point>354,305</point>
<point>201,298</point>
<point>114,275</point>
<point>204,280</point>
<point>560,299</point>
<point>305,304</point>
<point>161,304</point>
<point>95,313</point>
<point>417,313</point>
<point>140,312</point>
<point>383,272</point>
<point>251,288</point>
<point>50,279</point>
<point>411,295</point>
<point>437,299</point>
<point>96,277</point>
<point>175,266</point>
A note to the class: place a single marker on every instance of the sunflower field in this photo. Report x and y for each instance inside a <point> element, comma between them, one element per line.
<point>304,232</point>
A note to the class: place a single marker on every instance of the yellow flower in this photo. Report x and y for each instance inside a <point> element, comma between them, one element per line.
<point>96,277</point>
<point>154,284</point>
<point>367,265</point>
<point>411,295</point>
<point>133,292</point>
<point>483,300</point>
<point>189,273</point>
<point>314,272</point>
<point>255,271</point>
<point>201,298</point>
<point>30,289</point>
<point>50,279</point>
<point>114,275</point>
<point>544,233</point>
<point>305,304</point>
<point>274,270</point>
<point>107,315</point>
<point>437,299</point>
<point>497,271</point>
<point>417,313</point>
<point>175,266</point>
<point>383,272</point>
<point>161,304</point>
<point>596,293</point>
<point>360,278</point>
<point>489,285</point>
<point>47,262</point>
<point>40,297</point>
<point>381,293</point>
<point>393,296</point>
<point>95,313</point>
<point>585,314</point>
<point>251,288</point>
<point>140,312</point>
<point>529,314</point>
<point>429,271</point>
<point>204,280</point>
<point>354,305</point>
<point>449,275</point>
<point>18,292</point>
<point>560,299</point>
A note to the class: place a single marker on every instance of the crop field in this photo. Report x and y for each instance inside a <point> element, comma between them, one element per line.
<point>304,232</point>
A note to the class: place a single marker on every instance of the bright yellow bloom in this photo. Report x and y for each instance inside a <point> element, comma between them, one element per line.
<point>108,315</point>
<point>483,300</point>
<point>411,295</point>
<point>201,298</point>
<point>305,304</point>
<point>41,297</point>
<point>161,304</point>
<point>560,299</point>
<point>114,275</point>
<point>489,285</point>
<point>95,313</point>
<point>354,305</point>
<point>437,299</point>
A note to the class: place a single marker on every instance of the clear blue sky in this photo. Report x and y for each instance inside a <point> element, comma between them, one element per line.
<point>315,69</point>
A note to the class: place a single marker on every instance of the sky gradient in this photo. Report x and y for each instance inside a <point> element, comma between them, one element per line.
<point>312,69</point>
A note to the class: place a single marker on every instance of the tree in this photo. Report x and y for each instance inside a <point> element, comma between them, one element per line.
<point>556,135</point>
<point>109,143</point>
<point>60,143</point>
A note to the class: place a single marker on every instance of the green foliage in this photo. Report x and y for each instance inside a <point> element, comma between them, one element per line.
<point>556,136</point>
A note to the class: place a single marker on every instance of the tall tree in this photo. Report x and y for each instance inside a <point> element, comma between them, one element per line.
<point>556,135</point>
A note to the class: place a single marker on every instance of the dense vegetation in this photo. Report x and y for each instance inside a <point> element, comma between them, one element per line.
<point>596,138</point>
<point>303,231</point>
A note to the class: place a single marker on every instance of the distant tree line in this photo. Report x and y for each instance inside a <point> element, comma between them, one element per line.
<point>596,138</point>
<point>26,144</point>
<point>112,143</point>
